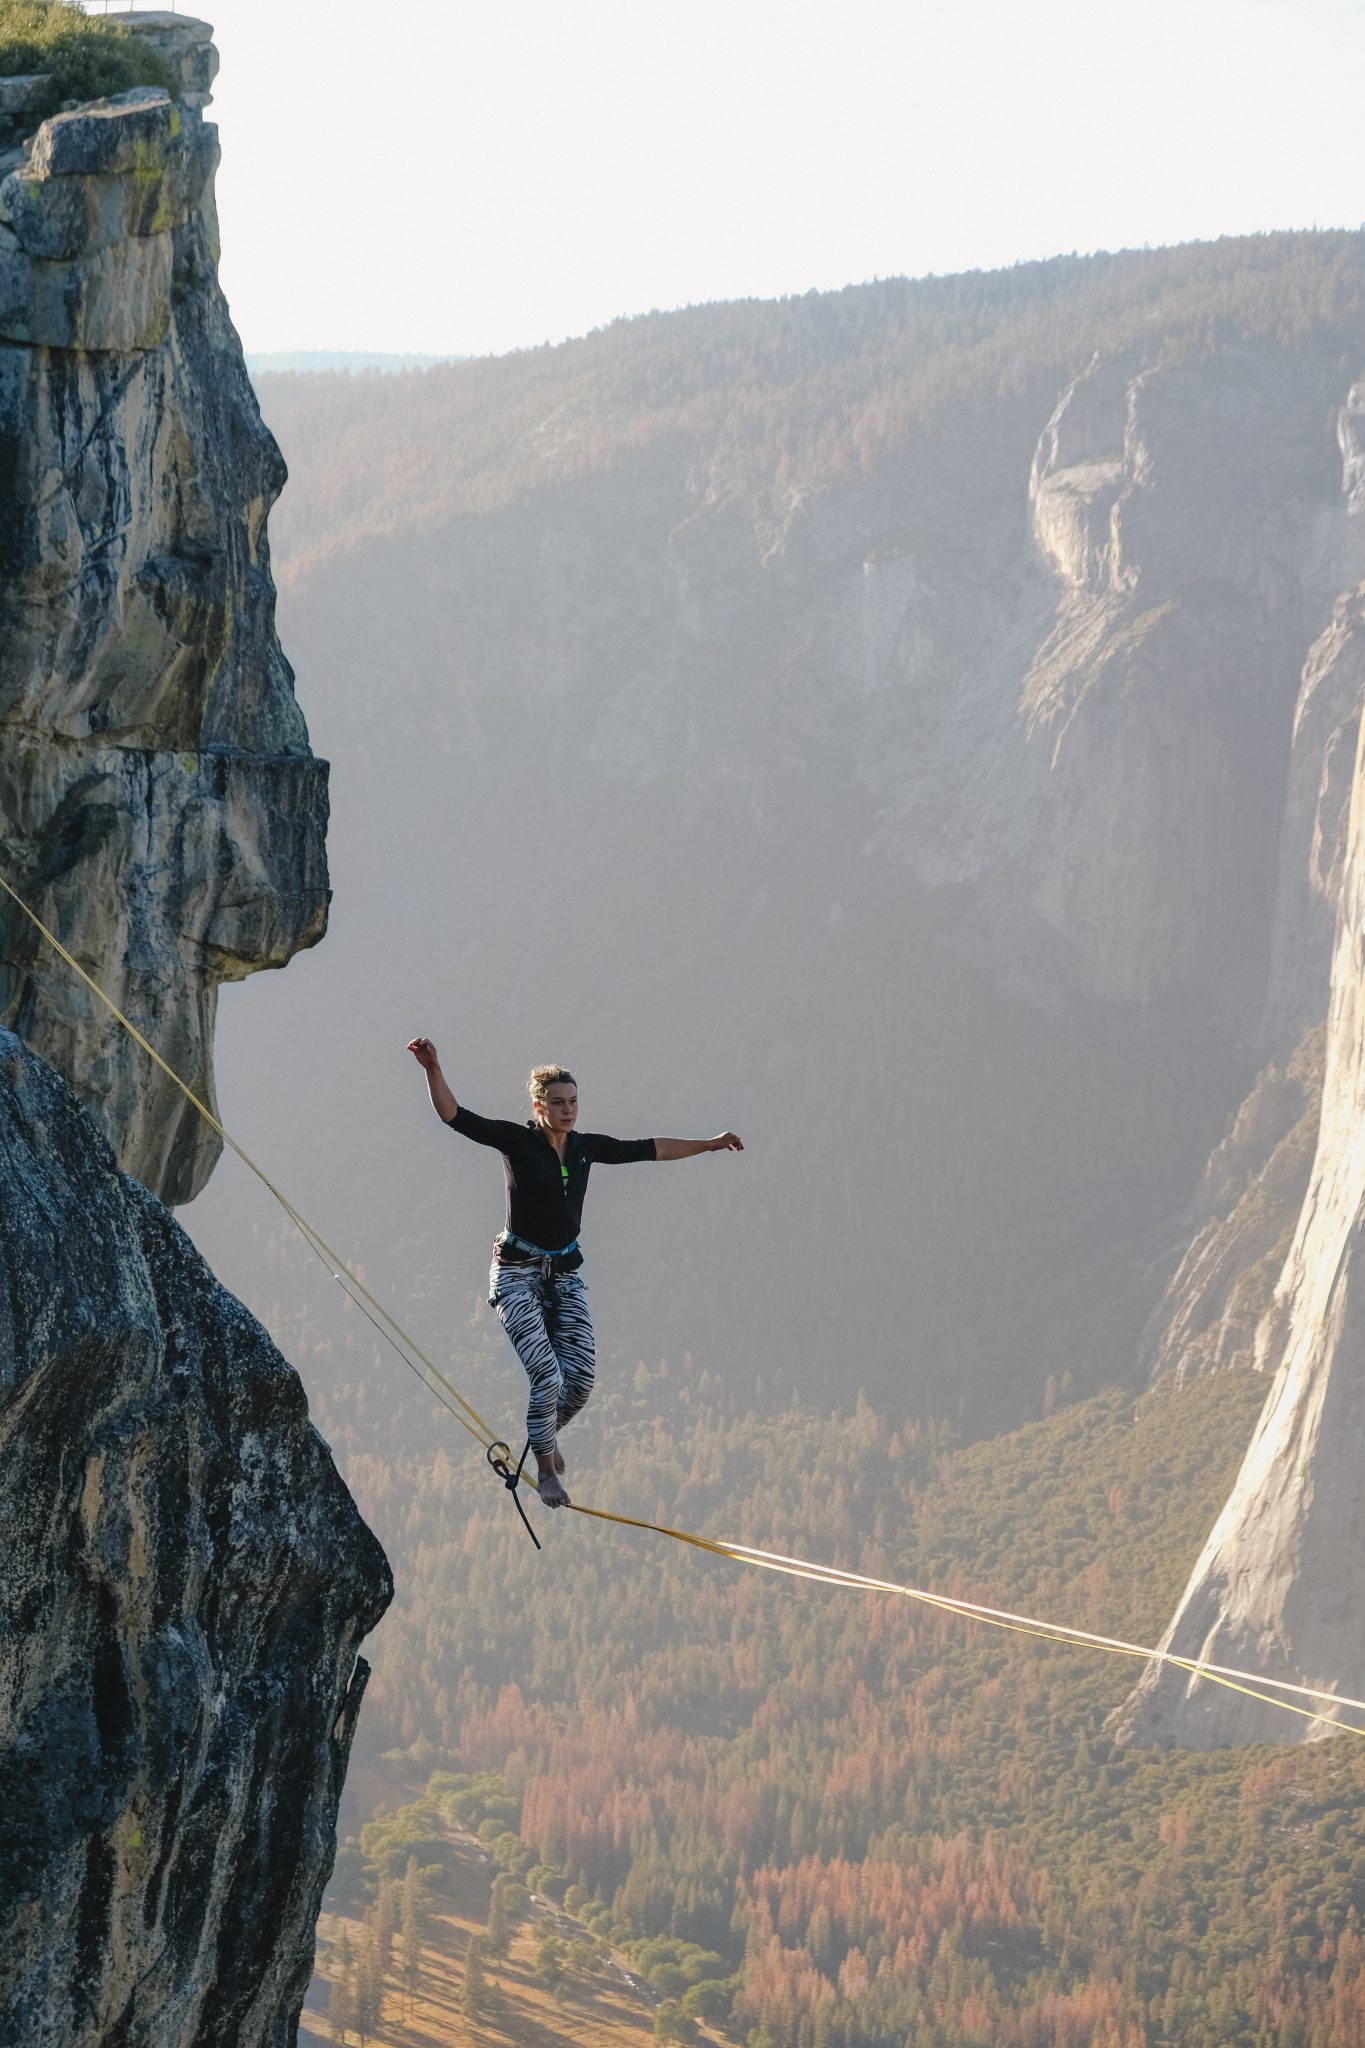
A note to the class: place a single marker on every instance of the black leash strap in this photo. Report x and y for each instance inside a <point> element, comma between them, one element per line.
<point>510,1478</point>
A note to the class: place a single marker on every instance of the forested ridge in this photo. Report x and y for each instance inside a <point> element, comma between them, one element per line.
<point>861,1821</point>
<point>773,396</point>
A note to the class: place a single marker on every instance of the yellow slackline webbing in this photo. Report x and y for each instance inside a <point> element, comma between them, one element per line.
<point>1249,1683</point>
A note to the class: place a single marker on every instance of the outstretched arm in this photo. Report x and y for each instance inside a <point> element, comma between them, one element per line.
<point>688,1148</point>
<point>442,1100</point>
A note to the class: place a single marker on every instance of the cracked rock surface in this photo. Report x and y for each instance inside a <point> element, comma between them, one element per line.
<point>184,1582</point>
<point>159,806</point>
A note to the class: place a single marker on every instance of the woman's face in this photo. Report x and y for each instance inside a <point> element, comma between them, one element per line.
<point>558,1110</point>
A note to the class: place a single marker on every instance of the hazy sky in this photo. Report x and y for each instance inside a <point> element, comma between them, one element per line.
<point>445,177</point>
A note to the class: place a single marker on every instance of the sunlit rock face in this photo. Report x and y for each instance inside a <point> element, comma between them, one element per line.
<point>1275,1273</point>
<point>159,806</point>
<point>1276,1589</point>
<point>184,1585</point>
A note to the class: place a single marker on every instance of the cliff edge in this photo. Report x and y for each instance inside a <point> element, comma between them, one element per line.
<point>184,1579</point>
<point>159,806</point>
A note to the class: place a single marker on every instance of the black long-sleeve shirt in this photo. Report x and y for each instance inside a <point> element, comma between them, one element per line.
<point>545,1204</point>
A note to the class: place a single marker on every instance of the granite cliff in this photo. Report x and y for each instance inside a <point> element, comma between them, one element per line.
<point>184,1585</point>
<point>1276,1588</point>
<point>185,1580</point>
<point>159,805</point>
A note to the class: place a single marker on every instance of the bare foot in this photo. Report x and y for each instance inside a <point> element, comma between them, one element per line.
<point>559,1460</point>
<point>548,1483</point>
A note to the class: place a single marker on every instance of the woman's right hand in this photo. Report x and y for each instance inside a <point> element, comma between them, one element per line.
<point>424,1052</point>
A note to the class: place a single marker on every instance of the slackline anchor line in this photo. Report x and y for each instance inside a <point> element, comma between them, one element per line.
<point>1251,1684</point>
<point>510,1478</point>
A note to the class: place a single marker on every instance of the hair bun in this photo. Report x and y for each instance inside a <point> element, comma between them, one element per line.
<point>544,1078</point>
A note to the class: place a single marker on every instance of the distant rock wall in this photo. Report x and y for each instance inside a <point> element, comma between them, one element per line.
<point>1201,694</point>
<point>1194,520</point>
<point>1278,1588</point>
<point>158,802</point>
<point>1262,732</point>
<point>184,1582</point>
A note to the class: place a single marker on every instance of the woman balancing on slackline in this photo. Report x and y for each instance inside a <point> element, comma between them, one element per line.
<point>534,1283</point>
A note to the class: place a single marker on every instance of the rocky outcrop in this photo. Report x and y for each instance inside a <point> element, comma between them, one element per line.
<point>1244,1213</point>
<point>1192,517</point>
<point>1316,816</point>
<point>185,1581</point>
<point>159,806</point>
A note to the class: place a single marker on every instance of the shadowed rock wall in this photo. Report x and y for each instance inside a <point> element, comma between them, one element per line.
<point>184,1582</point>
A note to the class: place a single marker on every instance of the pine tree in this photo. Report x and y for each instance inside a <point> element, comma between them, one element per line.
<point>369,1991</point>
<point>385,1923</point>
<point>414,1927</point>
<point>341,2006</point>
<point>549,1964</point>
<point>474,1997</point>
<point>499,1924</point>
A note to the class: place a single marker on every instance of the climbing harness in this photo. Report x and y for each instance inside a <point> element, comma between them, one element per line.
<point>1249,1683</point>
<point>536,1251</point>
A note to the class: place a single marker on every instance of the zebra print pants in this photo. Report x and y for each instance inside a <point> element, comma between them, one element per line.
<point>546,1316</point>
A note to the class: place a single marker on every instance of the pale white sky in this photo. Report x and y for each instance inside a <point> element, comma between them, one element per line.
<point>445,177</point>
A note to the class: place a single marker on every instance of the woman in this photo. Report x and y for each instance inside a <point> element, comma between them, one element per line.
<point>534,1284</point>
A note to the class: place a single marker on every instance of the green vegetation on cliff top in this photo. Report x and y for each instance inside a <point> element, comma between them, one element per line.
<point>86,56</point>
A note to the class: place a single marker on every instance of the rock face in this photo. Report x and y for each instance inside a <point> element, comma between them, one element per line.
<point>1276,1588</point>
<point>159,806</point>
<point>185,1580</point>
<point>1193,518</point>
<point>1248,1201</point>
<point>1269,1593</point>
<point>185,1583</point>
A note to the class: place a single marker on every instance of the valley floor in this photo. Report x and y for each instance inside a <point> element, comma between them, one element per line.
<point>606,2010</point>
